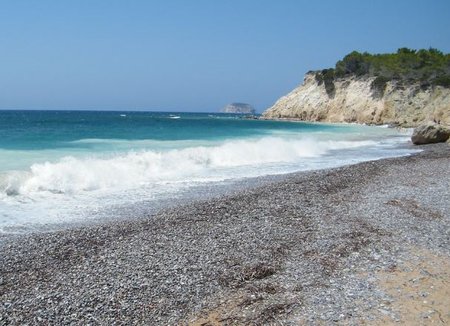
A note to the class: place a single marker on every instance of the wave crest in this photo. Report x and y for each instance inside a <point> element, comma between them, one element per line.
<point>73,175</point>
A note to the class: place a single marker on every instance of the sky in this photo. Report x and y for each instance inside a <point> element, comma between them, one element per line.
<point>197,55</point>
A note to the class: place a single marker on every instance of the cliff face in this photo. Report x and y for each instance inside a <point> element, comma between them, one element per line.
<point>354,100</point>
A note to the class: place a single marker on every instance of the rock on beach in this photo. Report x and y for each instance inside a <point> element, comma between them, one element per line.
<point>430,133</point>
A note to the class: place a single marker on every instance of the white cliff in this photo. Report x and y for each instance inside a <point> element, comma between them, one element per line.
<point>354,100</point>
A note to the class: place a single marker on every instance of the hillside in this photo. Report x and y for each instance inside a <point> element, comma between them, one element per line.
<point>405,88</point>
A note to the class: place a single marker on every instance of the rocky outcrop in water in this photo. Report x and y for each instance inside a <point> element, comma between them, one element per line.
<point>358,99</point>
<point>430,133</point>
<point>241,108</point>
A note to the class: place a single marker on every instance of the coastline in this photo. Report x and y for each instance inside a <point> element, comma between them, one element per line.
<point>315,247</point>
<point>390,125</point>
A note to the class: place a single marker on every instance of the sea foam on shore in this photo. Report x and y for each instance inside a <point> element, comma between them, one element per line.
<point>304,249</point>
<point>92,163</point>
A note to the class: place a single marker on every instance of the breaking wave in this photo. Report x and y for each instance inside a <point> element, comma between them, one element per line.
<point>71,175</point>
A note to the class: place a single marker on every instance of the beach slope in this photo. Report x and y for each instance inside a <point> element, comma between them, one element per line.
<point>361,244</point>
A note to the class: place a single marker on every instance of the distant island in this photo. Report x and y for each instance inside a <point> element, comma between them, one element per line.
<point>405,88</point>
<point>240,108</point>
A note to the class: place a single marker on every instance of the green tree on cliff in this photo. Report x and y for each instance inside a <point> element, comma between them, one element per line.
<point>428,68</point>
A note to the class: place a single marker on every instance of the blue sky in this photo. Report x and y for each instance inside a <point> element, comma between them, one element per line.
<point>193,55</point>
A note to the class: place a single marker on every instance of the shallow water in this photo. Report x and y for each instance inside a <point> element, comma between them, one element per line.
<point>71,166</point>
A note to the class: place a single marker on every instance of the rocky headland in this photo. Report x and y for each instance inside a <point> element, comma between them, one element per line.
<point>354,100</point>
<point>407,88</point>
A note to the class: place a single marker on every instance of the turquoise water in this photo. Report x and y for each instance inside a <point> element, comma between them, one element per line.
<point>62,166</point>
<point>31,130</point>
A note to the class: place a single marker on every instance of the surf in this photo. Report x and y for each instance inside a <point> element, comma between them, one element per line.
<point>71,175</point>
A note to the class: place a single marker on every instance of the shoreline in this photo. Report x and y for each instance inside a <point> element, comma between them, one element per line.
<point>202,191</point>
<point>306,247</point>
<point>380,125</point>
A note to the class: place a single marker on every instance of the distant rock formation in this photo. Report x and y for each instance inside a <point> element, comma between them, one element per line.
<point>241,108</point>
<point>430,133</point>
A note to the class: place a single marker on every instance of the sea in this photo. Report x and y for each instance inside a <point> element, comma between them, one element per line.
<point>60,168</point>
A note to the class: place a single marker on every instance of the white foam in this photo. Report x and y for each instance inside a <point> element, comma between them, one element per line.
<point>71,175</point>
<point>69,187</point>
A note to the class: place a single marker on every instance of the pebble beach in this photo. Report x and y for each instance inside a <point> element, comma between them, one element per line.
<point>361,244</point>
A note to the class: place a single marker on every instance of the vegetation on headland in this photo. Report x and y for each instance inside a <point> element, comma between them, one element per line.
<point>428,68</point>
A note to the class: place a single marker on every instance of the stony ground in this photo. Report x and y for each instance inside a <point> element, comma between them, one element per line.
<point>363,244</point>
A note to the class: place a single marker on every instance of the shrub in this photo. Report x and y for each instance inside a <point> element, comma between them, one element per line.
<point>378,86</point>
<point>406,66</point>
<point>442,81</point>
<point>326,77</point>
